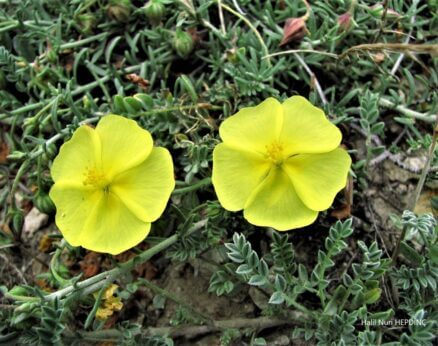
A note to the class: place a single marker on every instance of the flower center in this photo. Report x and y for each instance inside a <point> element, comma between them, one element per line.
<point>274,153</point>
<point>96,179</point>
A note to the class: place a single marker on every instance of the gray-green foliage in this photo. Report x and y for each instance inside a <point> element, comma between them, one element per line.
<point>353,300</point>
<point>417,280</point>
<point>63,63</point>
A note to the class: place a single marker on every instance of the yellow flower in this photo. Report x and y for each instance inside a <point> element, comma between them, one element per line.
<point>110,184</point>
<point>109,303</point>
<point>109,292</point>
<point>280,163</point>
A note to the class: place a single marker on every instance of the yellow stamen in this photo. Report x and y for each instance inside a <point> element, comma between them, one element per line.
<point>96,179</point>
<point>274,152</point>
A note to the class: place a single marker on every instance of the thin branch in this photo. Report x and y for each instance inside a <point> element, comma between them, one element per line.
<point>238,8</point>
<point>221,17</point>
<point>312,76</point>
<point>291,51</point>
<point>247,22</point>
<point>393,47</point>
<point>13,267</point>
<point>402,55</point>
<point>190,331</point>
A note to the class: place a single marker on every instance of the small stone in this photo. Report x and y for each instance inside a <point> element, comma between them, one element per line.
<point>33,221</point>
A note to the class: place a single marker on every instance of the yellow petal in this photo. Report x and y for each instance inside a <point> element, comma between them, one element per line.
<point>103,313</point>
<point>146,188</point>
<point>253,128</point>
<point>77,155</point>
<point>73,203</point>
<point>109,292</point>
<point>236,174</point>
<point>317,178</point>
<point>306,129</point>
<point>114,303</point>
<point>275,204</point>
<point>111,227</point>
<point>124,144</point>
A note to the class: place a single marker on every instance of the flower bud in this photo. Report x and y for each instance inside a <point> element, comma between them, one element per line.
<point>377,12</point>
<point>294,30</point>
<point>344,21</point>
<point>44,203</point>
<point>154,11</point>
<point>183,43</point>
<point>86,22</point>
<point>86,102</point>
<point>119,10</point>
<point>17,221</point>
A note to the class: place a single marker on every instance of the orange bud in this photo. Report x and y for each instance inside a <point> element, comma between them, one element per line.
<point>344,21</point>
<point>294,30</point>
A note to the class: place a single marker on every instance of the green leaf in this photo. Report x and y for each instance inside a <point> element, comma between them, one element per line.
<point>243,269</point>
<point>276,298</point>
<point>257,280</point>
<point>338,296</point>
<point>377,128</point>
<point>382,315</point>
<point>302,273</point>
<point>187,85</point>
<point>377,150</point>
<point>405,121</point>
<point>372,296</point>
<point>410,254</point>
<point>259,342</point>
<point>133,103</point>
<point>280,282</point>
<point>119,106</point>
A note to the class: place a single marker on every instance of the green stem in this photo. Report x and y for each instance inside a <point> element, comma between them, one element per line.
<point>59,136</point>
<point>21,171</point>
<point>54,264</point>
<point>84,41</point>
<point>321,273</point>
<point>79,90</point>
<point>179,108</point>
<point>87,87</point>
<point>12,24</point>
<point>405,111</point>
<point>98,281</point>
<point>198,185</point>
<point>96,305</point>
<point>35,118</point>
<point>299,307</point>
